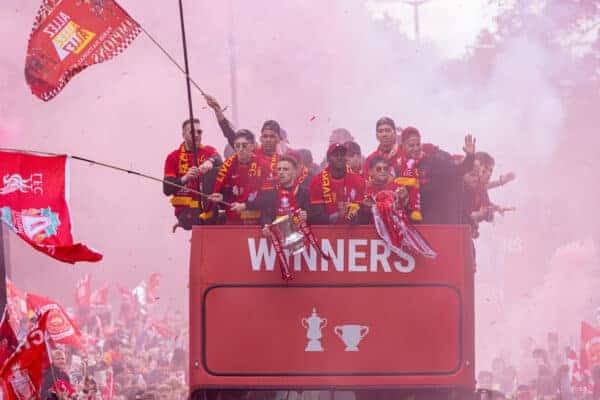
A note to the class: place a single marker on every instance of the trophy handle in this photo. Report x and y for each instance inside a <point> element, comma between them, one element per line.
<point>365,329</point>
<point>324,322</point>
<point>304,323</point>
<point>338,331</point>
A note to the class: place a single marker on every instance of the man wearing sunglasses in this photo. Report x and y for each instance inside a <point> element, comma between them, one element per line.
<point>182,169</point>
<point>239,180</point>
<point>381,179</point>
<point>271,143</point>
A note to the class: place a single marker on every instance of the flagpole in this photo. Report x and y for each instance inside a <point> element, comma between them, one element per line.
<point>189,91</point>
<point>129,171</point>
<point>187,81</point>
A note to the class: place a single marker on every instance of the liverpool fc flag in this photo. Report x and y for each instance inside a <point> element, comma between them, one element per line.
<point>33,204</point>
<point>69,36</point>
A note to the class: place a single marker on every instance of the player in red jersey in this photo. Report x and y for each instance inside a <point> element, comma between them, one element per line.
<point>388,147</point>
<point>380,179</point>
<point>181,169</point>
<point>240,178</point>
<point>335,193</point>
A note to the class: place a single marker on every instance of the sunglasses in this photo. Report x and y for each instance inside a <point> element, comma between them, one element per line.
<point>239,146</point>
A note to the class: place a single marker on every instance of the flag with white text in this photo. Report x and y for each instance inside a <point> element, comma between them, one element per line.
<point>70,35</point>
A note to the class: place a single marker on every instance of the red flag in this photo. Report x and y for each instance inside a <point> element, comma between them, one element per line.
<point>16,304</point>
<point>590,346</point>
<point>83,292</point>
<point>69,36</point>
<point>100,296</point>
<point>34,205</point>
<point>22,373</point>
<point>163,329</point>
<point>8,339</point>
<point>152,290</point>
<point>61,328</point>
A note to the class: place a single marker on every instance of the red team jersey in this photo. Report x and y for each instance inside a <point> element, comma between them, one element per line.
<point>330,192</point>
<point>244,181</point>
<point>177,165</point>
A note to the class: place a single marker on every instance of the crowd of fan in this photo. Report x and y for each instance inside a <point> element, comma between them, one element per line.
<point>134,357</point>
<point>550,371</point>
<point>266,178</point>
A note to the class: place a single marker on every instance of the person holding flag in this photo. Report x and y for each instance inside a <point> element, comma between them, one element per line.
<point>191,167</point>
<point>21,375</point>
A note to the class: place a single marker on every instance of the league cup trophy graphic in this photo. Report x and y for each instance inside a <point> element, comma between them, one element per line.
<point>314,324</point>
<point>351,335</point>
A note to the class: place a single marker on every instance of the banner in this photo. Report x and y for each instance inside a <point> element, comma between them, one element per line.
<point>34,205</point>
<point>21,376</point>
<point>70,35</point>
<point>61,329</point>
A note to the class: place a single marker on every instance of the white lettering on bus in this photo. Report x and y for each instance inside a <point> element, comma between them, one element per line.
<point>265,254</point>
<point>354,255</point>
<point>363,256</point>
<point>336,256</point>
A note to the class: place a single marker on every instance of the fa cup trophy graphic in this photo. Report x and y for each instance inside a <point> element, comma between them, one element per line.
<point>313,325</point>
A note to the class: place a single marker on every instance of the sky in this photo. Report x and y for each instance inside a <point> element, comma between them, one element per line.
<point>313,69</point>
<point>436,21</point>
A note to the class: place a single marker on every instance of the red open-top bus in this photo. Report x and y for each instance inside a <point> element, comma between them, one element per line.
<point>365,319</point>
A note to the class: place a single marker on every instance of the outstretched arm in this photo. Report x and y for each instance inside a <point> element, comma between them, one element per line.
<point>224,123</point>
<point>502,180</point>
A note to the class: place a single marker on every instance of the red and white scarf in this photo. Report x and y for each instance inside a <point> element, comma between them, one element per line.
<point>394,228</point>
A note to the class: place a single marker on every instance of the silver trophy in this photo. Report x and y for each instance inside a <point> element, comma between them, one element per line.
<point>291,239</point>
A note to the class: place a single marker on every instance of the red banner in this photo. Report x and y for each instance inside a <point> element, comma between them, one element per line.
<point>69,36</point>
<point>61,328</point>
<point>21,376</point>
<point>34,205</point>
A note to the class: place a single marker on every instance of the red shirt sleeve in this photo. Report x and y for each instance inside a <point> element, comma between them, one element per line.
<point>172,165</point>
